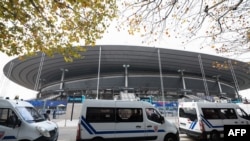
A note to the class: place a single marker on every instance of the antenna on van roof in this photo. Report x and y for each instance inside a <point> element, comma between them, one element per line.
<point>16,97</point>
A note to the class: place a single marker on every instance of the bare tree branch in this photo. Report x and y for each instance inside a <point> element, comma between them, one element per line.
<point>220,22</point>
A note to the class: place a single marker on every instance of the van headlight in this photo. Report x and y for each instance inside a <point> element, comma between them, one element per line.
<point>43,131</point>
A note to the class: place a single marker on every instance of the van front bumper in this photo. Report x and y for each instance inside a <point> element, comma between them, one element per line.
<point>194,134</point>
<point>53,136</point>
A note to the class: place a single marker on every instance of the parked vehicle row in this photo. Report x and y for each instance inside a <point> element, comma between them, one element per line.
<point>102,120</point>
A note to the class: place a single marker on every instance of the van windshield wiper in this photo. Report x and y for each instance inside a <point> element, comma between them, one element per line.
<point>39,119</point>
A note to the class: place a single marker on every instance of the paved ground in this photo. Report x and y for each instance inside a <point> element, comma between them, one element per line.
<point>69,134</point>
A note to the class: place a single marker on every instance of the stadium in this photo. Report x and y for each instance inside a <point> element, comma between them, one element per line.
<point>114,71</point>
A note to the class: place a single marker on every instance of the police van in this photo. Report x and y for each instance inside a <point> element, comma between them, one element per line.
<point>19,120</point>
<point>206,120</point>
<point>123,120</point>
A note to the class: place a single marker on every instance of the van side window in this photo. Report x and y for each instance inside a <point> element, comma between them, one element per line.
<point>153,115</point>
<point>129,115</point>
<point>3,116</point>
<point>210,113</point>
<point>7,117</point>
<point>242,113</point>
<point>229,113</point>
<point>219,113</point>
<point>95,114</point>
<point>188,113</point>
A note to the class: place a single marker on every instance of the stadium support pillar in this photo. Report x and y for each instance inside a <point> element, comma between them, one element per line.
<point>39,72</point>
<point>235,80</point>
<point>98,75</point>
<point>183,80</point>
<point>203,75</point>
<point>62,79</point>
<point>162,86</point>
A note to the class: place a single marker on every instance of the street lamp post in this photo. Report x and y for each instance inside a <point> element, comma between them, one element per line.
<point>126,76</point>
<point>73,104</point>
<point>218,83</point>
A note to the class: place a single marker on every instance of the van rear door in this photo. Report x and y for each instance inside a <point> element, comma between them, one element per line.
<point>188,120</point>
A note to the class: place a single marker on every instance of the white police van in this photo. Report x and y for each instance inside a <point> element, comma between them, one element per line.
<point>123,120</point>
<point>19,120</point>
<point>206,120</point>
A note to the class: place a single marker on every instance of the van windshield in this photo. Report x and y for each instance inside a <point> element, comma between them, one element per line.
<point>242,113</point>
<point>30,114</point>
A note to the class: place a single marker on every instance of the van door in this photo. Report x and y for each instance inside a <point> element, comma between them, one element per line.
<point>212,119</point>
<point>244,118</point>
<point>8,131</point>
<point>154,124</point>
<point>129,121</point>
<point>229,116</point>
<point>188,121</point>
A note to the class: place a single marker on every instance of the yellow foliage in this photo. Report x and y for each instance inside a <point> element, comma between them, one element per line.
<point>27,27</point>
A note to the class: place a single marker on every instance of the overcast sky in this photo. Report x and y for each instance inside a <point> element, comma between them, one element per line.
<point>10,89</point>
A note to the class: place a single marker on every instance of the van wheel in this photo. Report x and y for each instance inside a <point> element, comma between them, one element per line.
<point>97,139</point>
<point>170,138</point>
<point>215,136</point>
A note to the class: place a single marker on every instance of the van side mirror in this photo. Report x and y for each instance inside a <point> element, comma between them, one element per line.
<point>17,123</point>
<point>13,121</point>
<point>162,119</point>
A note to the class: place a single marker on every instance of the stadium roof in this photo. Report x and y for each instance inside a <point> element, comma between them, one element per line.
<point>141,60</point>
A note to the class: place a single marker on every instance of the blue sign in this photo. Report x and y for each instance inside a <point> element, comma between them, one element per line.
<point>76,99</point>
<point>147,99</point>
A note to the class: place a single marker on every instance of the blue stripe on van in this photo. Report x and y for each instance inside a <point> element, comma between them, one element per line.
<point>151,131</point>
<point>210,124</point>
<point>91,130</point>
<point>193,125</point>
<point>86,127</point>
<point>9,137</point>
